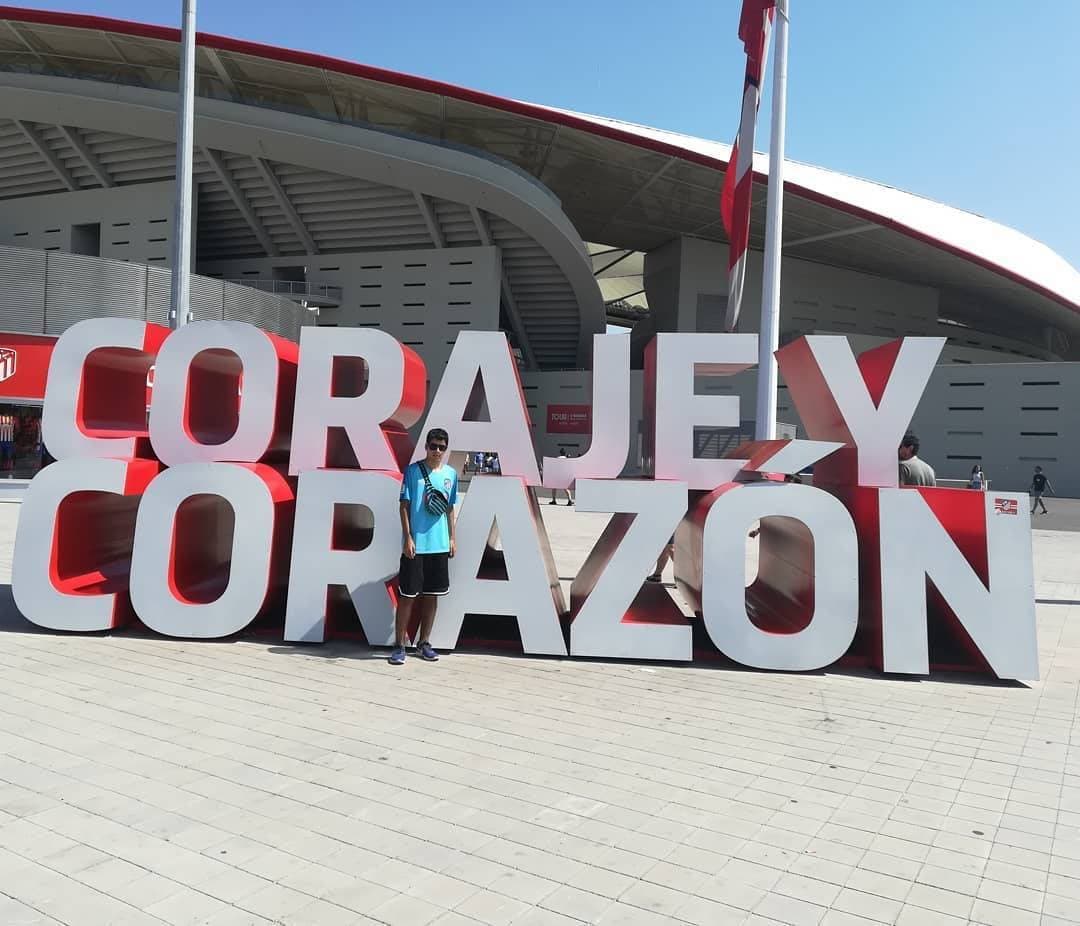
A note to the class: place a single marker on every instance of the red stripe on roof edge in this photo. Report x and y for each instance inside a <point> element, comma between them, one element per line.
<point>481,98</point>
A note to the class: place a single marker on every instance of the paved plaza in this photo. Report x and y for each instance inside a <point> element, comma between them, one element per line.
<point>146,780</point>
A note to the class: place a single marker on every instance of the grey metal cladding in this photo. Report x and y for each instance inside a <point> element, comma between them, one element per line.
<point>78,287</point>
<point>245,304</point>
<point>22,290</point>
<point>158,295</point>
<point>205,298</point>
<point>47,292</point>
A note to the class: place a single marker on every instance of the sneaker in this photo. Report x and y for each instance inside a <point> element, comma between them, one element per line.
<point>426,652</point>
<point>397,656</point>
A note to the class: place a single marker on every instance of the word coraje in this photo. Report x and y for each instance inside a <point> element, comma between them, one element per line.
<point>257,476</point>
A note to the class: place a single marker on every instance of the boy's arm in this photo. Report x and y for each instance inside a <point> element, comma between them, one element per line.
<point>451,521</point>
<point>409,545</point>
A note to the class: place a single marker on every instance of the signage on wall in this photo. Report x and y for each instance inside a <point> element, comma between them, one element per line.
<point>220,508</point>
<point>569,419</point>
<point>24,364</point>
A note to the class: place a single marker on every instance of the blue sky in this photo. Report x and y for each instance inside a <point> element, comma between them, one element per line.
<point>974,104</point>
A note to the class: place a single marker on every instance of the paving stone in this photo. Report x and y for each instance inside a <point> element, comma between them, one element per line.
<point>249,783</point>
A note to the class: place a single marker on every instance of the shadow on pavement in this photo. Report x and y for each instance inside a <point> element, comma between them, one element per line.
<point>11,621</point>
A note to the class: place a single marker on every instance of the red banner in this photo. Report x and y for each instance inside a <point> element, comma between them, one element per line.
<point>24,364</point>
<point>569,419</point>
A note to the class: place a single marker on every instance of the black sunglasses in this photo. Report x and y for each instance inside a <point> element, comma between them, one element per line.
<point>438,448</point>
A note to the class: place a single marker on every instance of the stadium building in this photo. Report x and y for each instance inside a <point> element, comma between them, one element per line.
<point>332,193</point>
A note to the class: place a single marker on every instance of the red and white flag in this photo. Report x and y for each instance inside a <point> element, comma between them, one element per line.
<point>754,25</point>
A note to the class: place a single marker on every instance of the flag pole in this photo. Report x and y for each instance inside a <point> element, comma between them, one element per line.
<point>769,330</point>
<point>180,295</point>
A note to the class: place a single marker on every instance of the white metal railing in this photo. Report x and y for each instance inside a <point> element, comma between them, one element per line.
<point>294,289</point>
<point>960,483</point>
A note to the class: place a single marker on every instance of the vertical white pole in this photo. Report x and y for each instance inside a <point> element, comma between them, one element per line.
<point>769,331</point>
<point>185,118</point>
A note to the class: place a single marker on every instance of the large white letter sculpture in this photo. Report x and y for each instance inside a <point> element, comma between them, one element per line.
<point>1000,620</point>
<point>318,564</point>
<point>531,593</point>
<point>176,605</point>
<point>673,409</point>
<point>866,403</point>
<point>485,354</point>
<point>807,591</point>
<point>603,593</point>
<point>95,394</point>
<point>606,455</point>
<point>198,415</point>
<point>73,547</point>
<point>376,419</point>
<point>203,547</point>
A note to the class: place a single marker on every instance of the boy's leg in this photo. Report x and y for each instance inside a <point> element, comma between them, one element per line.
<point>401,630</point>
<point>437,582</point>
<point>427,606</point>
<point>401,621</point>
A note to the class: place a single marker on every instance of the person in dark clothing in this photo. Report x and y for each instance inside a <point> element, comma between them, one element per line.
<point>1039,485</point>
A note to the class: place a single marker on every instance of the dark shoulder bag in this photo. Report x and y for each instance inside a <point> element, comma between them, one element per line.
<point>434,501</point>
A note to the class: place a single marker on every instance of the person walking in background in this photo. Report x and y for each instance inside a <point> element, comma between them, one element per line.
<point>428,496</point>
<point>977,480</point>
<point>1039,485</point>
<point>913,471</point>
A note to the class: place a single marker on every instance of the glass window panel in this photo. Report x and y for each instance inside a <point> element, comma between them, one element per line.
<point>518,139</point>
<point>147,51</point>
<point>20,60</point>
<point>9,41</point>
<point>306,104</point>
<point>109,71</point>
<point>584,145</point>
<point>74,43</point>
<point>395,109</point>
<point>290,87</point>
<point>260,71</point>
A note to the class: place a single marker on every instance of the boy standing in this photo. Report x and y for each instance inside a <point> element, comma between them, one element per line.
<point>428,496</point>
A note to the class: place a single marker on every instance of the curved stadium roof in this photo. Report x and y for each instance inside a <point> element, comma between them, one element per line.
<point>624,185</point>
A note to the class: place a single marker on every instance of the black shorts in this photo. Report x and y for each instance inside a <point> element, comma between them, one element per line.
<point>424,574</point>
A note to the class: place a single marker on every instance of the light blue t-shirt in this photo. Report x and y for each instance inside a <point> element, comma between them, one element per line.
<point>430,532</point>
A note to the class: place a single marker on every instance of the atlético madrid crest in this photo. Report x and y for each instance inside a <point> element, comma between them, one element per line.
<point>7,363</point>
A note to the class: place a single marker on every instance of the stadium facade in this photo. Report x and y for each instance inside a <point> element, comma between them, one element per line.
<point>337,194</point>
